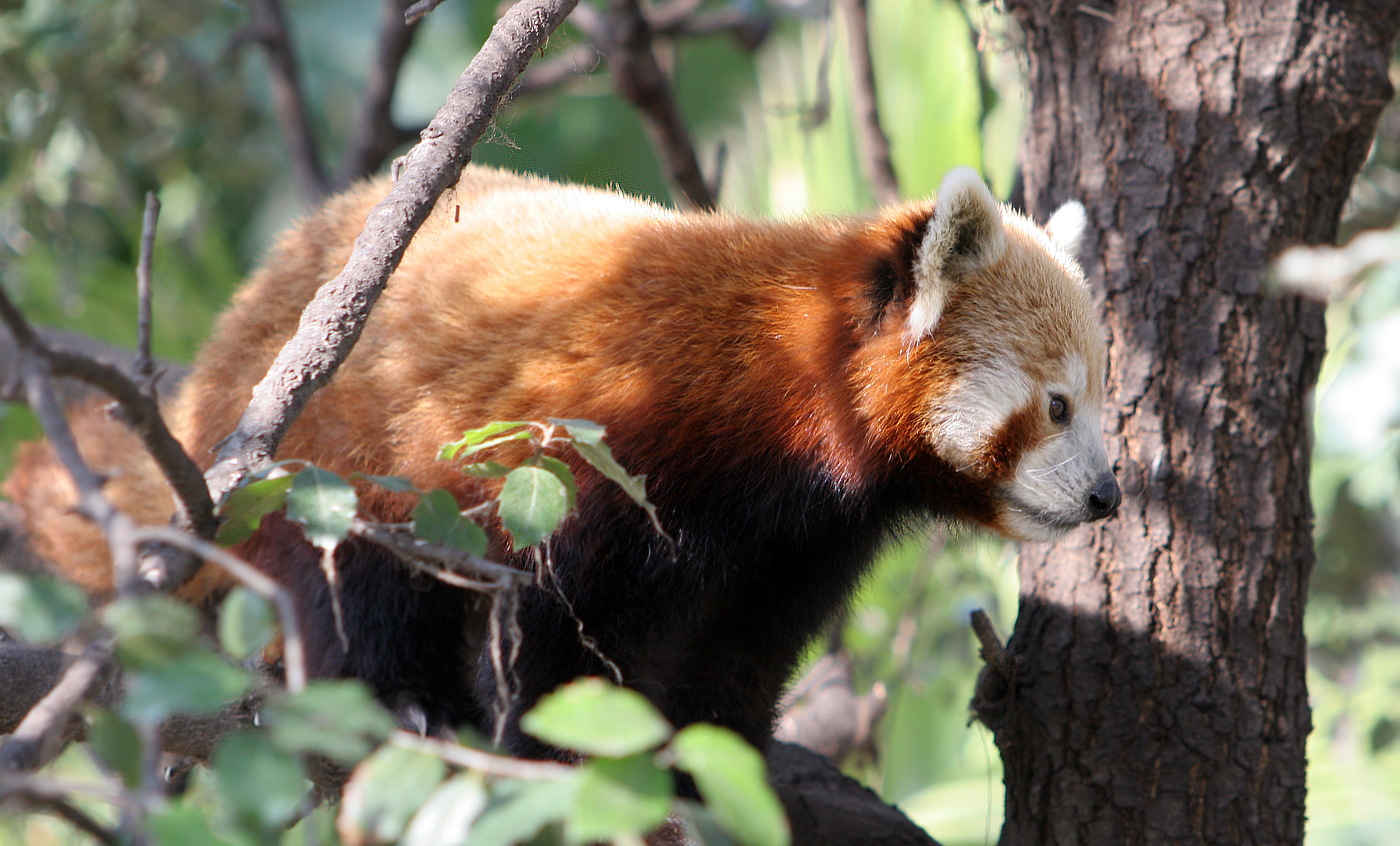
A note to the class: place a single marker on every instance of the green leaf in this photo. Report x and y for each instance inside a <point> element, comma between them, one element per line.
<point>486,470</point>
<point>384,792</point>
<point>261,784</point>
<point>733,782</point>
<point>182,825</point>
<point>596,718</point>
<point>117,743</point>
<point>151,630</point>
<point>619,796</point>
<point>522,809</point>
<point>582,431</point>
<point>192,683</point>
<point>588,443</point>
<point>338,719</point>
<point>561,470</point>
<point>39,609</point>
<point>475,440</point>
<point>446,818</point>
<point>533,503</point>
<point>393,484</point>
<point>438,519</point>
<point>324,504</point>
<point>246,623</point>
<point>242,511</point>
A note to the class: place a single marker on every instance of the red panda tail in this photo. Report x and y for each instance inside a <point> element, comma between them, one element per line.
<point>69,543</point>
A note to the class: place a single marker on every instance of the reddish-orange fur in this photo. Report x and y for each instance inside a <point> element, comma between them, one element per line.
<point>763,374</point>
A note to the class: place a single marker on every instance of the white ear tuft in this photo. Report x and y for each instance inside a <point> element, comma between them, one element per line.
<point>965,235</point>
<point>1066,227</point>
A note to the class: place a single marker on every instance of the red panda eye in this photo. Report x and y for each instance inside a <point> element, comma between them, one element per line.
<point>1059,409</point>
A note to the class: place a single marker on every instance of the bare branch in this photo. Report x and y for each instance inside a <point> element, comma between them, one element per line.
<point>70,391</point>
<point>627,42</point>
<point>993,652</point>
<point>332,322</point>
<point>374,136</point>
<point>55,797</point>
<point>874,146</point>
<point>144,365</point>
<point>269,28</point>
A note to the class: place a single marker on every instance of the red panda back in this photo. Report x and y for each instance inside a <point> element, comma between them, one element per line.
<point>794,391</point>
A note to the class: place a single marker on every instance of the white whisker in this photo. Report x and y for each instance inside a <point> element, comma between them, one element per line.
<point>1037,474</point>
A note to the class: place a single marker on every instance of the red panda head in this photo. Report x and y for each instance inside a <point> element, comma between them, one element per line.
<point>1002,309</point>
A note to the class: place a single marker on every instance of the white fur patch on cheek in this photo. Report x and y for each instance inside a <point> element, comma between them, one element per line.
<point>975,409</point>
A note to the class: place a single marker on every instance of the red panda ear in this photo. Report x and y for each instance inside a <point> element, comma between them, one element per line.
<point>1066,227</point>
<point>965,235</point>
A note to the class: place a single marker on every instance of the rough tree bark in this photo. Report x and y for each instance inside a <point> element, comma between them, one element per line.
<point>1159,693</point>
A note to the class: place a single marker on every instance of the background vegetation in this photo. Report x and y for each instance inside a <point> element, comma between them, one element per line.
<point>106,99</point>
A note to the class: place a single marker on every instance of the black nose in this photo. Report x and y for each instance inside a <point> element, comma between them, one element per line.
<point>1104,498</point>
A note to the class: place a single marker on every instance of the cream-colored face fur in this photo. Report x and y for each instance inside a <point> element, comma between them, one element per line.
<point>1003,302</point>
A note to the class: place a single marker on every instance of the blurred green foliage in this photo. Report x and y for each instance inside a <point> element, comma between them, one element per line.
<point>106,99</point>
<point>1353,627</point>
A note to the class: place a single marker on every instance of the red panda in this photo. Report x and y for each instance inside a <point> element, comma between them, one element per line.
<point>795,392</point>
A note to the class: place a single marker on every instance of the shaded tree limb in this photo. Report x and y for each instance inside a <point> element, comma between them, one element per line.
<point>374,135</point>
<point>269,28</point>
<point>625,36</point>
<point>874,144</point>
<point>332,322</point>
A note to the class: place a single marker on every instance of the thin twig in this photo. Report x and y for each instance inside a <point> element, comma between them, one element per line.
<point>375,136</point>
<point>415,13</point>
<point>145,367</point>
<point>331,324</point>
<point>294,652</point>
<point>640,80</point>
<point>993,652</point>
<point>492,576</point>
<point>269,28</point>
<point>138,410</point>
<point>486,762</point>
<point>56,797</point>
<point>874,145</point>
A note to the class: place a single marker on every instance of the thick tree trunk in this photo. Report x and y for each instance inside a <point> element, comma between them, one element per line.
<point>1159,692</point>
